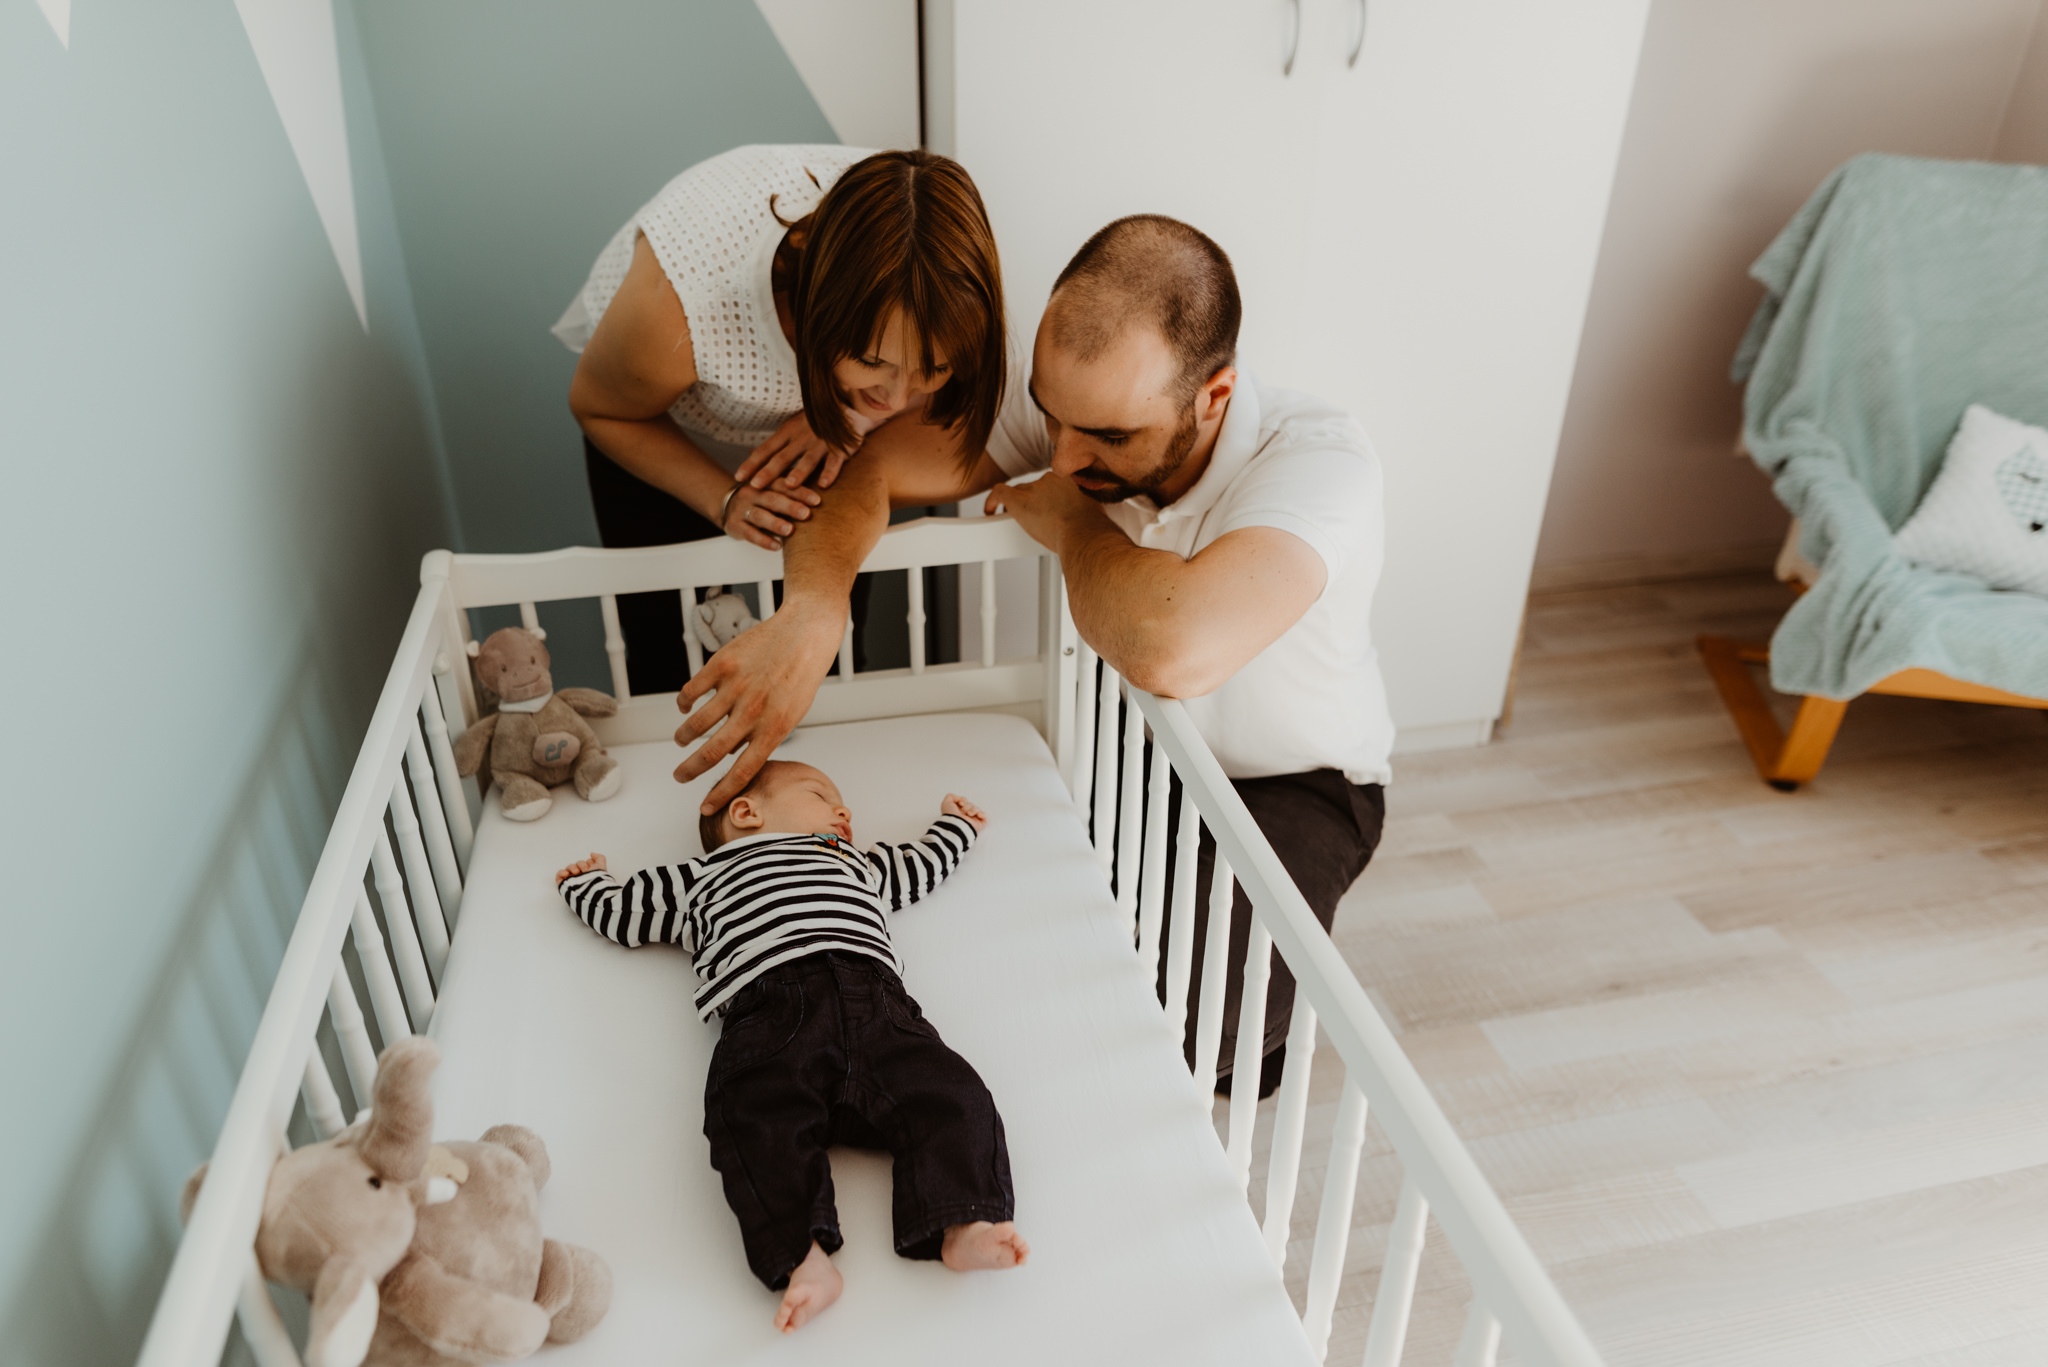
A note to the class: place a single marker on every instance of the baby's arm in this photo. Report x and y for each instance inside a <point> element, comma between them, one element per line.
<point>646,908</point>
<point>911,872</point>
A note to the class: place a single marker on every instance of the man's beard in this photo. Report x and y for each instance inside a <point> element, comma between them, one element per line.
<point>1115,489</point>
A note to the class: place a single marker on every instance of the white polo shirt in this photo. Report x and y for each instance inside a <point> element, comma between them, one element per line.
<point>1314,698</point>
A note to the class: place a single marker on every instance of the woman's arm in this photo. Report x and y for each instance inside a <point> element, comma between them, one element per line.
<point>638,362</point>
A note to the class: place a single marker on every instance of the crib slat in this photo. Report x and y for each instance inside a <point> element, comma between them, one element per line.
<point>693,649</point>
<point>356,1054</point>
<point>1290,1122</point>
<point>615,644</point>
<point>1084,727</point>
<point>323,1103</point>
<point>529,617</point>
<point>270,1343</point>
<point>846,652</point>
<point>1481,1340</point>
<point>454,794</point>
<point>988,614</point>
<point>914,577</point>
<point>385,999</point>
<point>419,881</point>
<point>1215,951</point>
<point>1388,1332</point>
<point>1333,1220</point>
<point>434,822</point>
<point>1152,877</point>
<point>405,944</point>
<point>1106,720</point>
<point>1180,935</point>
<point>1251,1038</point>
<point>765,588</point>
<point>1130,794</point>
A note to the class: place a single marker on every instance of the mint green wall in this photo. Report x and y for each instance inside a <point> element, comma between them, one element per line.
<point>521,134</point>
<point>218,487</point>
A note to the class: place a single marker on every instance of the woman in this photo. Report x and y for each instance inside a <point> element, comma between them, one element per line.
<point>750,325</point>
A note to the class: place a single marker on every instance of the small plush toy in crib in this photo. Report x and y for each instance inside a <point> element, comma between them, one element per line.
<point>537,739</point>
<point>418,1254</point>
<point>788,925</point>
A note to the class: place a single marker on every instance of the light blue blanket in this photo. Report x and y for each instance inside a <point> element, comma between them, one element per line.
<point>1904,291</point>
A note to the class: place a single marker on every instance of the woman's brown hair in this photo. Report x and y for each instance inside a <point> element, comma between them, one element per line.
<point>899,231</point>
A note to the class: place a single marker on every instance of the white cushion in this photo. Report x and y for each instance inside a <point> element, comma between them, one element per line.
<point>1986,514</point>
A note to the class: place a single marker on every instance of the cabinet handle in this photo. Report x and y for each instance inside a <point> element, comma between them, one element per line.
<point>1293,36</point>
<point>1357,38</point>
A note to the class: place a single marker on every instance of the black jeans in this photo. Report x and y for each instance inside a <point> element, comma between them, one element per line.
<point>1324,828</point>
<point>829,1049</point>
<point>632,512</point>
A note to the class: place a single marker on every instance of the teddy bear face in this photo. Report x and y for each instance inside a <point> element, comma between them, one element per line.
<point>514,664</point>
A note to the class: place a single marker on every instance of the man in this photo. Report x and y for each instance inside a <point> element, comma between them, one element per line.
<point>1221,542</point>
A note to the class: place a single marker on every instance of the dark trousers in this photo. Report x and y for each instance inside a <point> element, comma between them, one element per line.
<point>1324,828</point>
<point>632,512</point>
<point>829,1049</point>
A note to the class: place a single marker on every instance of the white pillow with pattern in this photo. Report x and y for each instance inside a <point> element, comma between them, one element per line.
<point>1986,514</point>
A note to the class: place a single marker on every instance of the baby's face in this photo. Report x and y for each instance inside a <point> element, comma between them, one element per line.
<point>801,801</point>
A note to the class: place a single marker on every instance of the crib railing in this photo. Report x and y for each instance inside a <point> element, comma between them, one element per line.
<point>372,938</point>
<point>367,953</point>
<point>1126,800</point>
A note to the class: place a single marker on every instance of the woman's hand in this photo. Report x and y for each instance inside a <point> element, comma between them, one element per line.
<point>765,516</point>
<point>789,457</point>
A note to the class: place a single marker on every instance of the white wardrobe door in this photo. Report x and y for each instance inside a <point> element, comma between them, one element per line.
<point>1469,158</point>
<point>1070,113</point>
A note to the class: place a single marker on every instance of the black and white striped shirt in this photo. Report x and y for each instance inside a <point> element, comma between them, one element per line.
<point>763,900</point>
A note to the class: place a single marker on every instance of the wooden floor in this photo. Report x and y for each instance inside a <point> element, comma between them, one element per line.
<point>1763,1077</point>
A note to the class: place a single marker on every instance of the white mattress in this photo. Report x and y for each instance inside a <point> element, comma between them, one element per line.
<point>1143,1249</point>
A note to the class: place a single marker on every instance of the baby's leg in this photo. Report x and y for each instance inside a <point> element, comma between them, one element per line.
<point>953,1198</point>
<point>767,1118</point>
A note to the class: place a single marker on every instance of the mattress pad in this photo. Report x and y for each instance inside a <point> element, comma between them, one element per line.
<point>1143,1246</point>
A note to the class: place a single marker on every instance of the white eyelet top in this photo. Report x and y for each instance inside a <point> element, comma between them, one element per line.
<point>715,234</point>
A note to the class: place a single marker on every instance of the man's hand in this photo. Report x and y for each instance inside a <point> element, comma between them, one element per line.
<point>956,805</point>
<point>760,685</point>
<point>790,455</point>
<point>596,861</point>
<point>1045,507</point>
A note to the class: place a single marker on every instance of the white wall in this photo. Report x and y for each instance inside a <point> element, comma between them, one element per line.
<point>2025,134</point>
<point>1740,108</point>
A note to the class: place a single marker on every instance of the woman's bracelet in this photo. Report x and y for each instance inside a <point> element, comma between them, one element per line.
<point>726,506</point>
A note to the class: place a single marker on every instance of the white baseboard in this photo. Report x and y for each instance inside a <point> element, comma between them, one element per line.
<point>1449,735</point>
<point>1613,571</point>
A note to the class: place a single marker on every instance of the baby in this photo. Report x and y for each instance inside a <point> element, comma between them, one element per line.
<point>786,922</point>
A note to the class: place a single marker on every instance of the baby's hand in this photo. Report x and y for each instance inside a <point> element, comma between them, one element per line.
<point>596,861</point>
<point>956,805</point>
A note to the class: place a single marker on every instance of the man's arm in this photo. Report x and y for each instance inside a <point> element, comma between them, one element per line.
<point>1177,628</point>
<point>762,682</point>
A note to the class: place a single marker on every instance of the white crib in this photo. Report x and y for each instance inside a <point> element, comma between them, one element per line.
<point>396,892</point>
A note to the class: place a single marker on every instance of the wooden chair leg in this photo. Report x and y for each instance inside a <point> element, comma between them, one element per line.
<point>1783,761</point>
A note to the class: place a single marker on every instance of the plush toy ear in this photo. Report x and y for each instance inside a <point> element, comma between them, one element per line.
<point>475,649</point>
<point>344,1315</point>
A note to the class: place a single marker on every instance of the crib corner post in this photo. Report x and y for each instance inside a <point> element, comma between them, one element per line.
<point>1058,649</point>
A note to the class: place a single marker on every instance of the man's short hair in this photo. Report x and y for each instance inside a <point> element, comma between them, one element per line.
<point>711,825</point>
<point>1155,269</point>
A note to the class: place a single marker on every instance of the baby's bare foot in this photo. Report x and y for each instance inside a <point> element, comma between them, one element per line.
<point>982,1245</point>
<point>814,1285</point>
